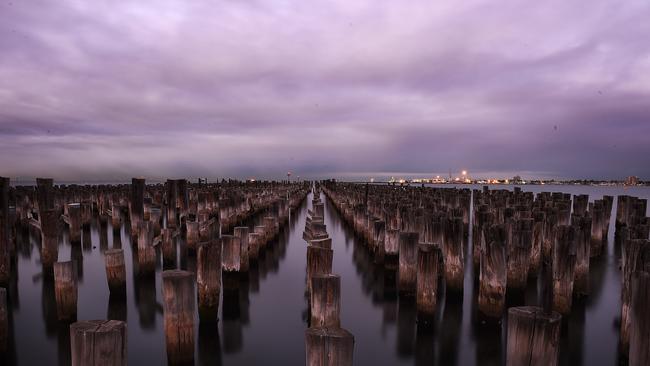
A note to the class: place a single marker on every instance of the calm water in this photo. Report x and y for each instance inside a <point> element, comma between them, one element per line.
<point>264,322</point>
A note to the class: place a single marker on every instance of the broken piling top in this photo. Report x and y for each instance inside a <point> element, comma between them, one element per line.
<point>98,343</point>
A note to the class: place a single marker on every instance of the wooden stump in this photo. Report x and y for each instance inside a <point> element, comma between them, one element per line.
<point>4,321</point>
<point>115,271</point>
<point>178,307</point>
<point>146,252</point>
<point>639,354</point>
<point>319,262</point>
<point>208,279</point>
<point>379,236</point>
<point>98,343</point>
<point>492,275</point>
<point>582,225</point>
<point>408,242</point>
<point>329,347</point>
<point>453,253</point>
<point>253,246</point>
<point>564,261</point>
<point>636,257</point>
<point>428,270</point>
<point>5,233</point>
<point>533,337</point>
<point>230,249</point>
<point>74,216</point>
<point>65,286</point>
<point>519,250</point>
<point>168,247</point>
<point>192,235</point>
<point>325,301</point>
<point>49,239</point>
<point>241,232</point>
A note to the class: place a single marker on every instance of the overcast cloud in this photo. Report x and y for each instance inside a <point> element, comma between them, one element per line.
<point>111,89</point>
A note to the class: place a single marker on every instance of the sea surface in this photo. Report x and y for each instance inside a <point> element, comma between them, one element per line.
<point>264,324</point>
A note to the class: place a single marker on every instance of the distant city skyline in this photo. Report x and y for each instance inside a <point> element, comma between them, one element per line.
<point>107,90</point>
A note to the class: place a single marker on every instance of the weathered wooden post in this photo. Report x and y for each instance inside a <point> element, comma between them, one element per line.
<point>564,260</point>
<point>453,253</point>
<point>98,343</point>
<point>583,248</point>
<point>519,253</point>
<point>242,232</point>
<point>172,198</point>
<point>428,270</point>
<point>639,354</point>
<point>379,236</point>
<point>329,347</point>
<point>4,321</point>
<point>65,286</point>
<point>137,203</point>
<point>325,301</point>
<point>178,307</point>
<point>5,233</point>
<point>191,235</point>
<point>636,257</point>
<point>408,242</point>
<point>533,337</point>
<point>49,239</point>
<point>74,215</point>
<point>115,271</point>
<point>208,279</point>
<point>231,261</point>
<point>146,252</point>
<point>536,250</point>
<point>492,275</point>
<point>168,247</point>
<point>319,262</point>
<point>253,246</point>
<point>391,246</point>
<point>597,223</point>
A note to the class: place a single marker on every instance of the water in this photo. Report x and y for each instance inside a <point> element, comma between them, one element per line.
<point>265,322</point>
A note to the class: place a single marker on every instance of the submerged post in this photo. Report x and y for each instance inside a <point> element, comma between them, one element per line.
<point>329,347</point>
<point>178,307</point>
<point>325,301</point>
<point>208,279</point>
<point>65,286</point>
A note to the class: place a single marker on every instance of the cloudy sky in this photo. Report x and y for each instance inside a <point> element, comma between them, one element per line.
<point>93,89</point>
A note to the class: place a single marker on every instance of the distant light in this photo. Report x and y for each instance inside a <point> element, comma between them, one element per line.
<point>437,177</point>
<point>464,172</point>
<point>372,180</point>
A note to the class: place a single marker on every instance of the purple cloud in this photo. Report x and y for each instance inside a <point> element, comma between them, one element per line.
<point>106,90</point>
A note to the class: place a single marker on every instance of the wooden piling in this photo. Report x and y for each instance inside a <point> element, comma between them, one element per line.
<point>408,242</point>
<point>4,321</point>
<point>65,286</point>
<point>329,347</point>
<point>428,270</point>
<point>178,308</point>
<point>5,233</point>
<point>639,354</point>
<point>533,337</point>
<point>493,275</point>
<point>146,254</point>
<point>242,232</point>
<point>325,301</point>
<point>208,279</point>
<point>319,262</point>
<point>519,249</point>
<point>115,271</point>
<point>230,248</point>
<point>74,218</point>
<point>564,260</point>
<point>453,253</point>
<point>191,235</point>
<point>98,343</point>
<point>168,247</point>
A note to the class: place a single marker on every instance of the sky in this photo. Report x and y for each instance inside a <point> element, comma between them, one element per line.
<point>106,90</point>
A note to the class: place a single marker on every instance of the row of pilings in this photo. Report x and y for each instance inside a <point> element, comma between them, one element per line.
<point>326,342</point>
<point>423,234</point>
<point>206,216</point>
